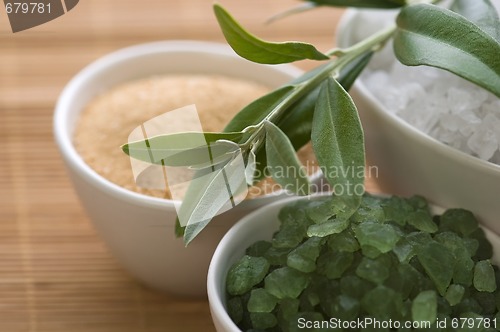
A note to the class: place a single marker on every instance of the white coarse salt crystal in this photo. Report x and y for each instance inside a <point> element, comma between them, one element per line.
<point>459,100</point>
<point>447,136</point>
<point>484,141</point>
<point>377,81</point>
<point>492,107</point>
<point>394,99</point>
<point>493,123</point>
<point>469,122</point>
<point>445,106</point>
<point>450,122</point>
<point>418,112</point>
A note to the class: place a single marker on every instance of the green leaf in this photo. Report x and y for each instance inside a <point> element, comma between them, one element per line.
<point>250,47</point>
<point>480,12</point>
<point>184,149</point>
<point>297,122</point>
<point>246,273</point>
<point>250,168</point>
<point>283,162</point>
<point>361,3</point>
<point>179,229</point>
<point>337,138</point>
<point>424,307</point>
<point>208,194</point>
<point>257,110</point>
<point>434,36</point>
<point>353,69</point>
<point>484,277</point>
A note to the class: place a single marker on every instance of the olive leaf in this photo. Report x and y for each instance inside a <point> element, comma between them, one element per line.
<point>434,36</point>
<point>210,194</point>
<point>184,149</point>
<point>337,138</point>
<point>254,49</point>
<point>179,229</point>
<point>480,12</point>
<point>283,162</point>
<point>297,123</point>
<point>361,3</point>
<point>250,168</point>
<point>257,110</point>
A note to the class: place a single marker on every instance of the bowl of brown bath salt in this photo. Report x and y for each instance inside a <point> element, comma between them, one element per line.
<point>107,100</point>
<point>106,122</point>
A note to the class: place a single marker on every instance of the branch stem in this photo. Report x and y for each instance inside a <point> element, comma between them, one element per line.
<point>344,57</point>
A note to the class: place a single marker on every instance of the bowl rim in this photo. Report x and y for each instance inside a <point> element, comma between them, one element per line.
<point>341,36</point>
<point>62,111</point>
<point>215,298</point>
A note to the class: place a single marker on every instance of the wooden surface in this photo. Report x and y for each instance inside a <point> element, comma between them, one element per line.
<point>55,273</point>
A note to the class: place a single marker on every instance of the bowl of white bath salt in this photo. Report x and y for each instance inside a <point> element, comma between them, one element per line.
<point>427,131</point>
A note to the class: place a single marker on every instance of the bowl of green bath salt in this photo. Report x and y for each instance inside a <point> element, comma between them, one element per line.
<point>326,263</point>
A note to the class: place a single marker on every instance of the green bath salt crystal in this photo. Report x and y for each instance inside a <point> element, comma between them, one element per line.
<point>389,259</point>
<point>484,277</point>
<point>248,272</point>
<point>374,270</point>
<point>454,294</point>
<point>334,264</point>
<point>303,258</point>
<point>286,282</point>
<point>380,236</point>
<point>424,307</point>
<point>261,301</point>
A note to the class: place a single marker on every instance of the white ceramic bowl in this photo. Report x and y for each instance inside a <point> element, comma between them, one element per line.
<point>138,229</point>
<point>259,225</point>
<point>410,162</point>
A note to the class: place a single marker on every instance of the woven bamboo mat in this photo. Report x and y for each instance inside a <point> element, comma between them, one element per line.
<point>55,273</point>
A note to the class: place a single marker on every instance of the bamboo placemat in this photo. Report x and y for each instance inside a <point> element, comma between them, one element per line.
<point>55,273</point>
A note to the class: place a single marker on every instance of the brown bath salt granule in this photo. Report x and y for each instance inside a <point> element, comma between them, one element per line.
<point>107,121</point>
